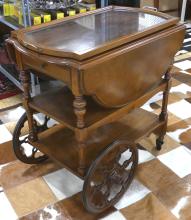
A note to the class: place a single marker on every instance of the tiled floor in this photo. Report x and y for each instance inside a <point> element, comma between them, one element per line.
<point>160,191</point>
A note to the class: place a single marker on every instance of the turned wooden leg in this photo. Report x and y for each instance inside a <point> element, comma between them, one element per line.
<point>164,115</point>
<point>82,160</point>
<point>80,110</point>
<point>25,79</point>
<point>160,139</point>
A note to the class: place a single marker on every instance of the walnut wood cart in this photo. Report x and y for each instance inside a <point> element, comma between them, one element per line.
<point>112,61</point>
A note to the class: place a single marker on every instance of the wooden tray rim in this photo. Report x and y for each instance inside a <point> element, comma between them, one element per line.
<point>20,34</point>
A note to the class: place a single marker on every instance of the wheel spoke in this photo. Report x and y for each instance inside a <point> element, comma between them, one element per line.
<point>46,121</point>
<point>25,140</point>
<point>114,178</point>
<point>127,162</point>
<point>20,149</point>
<point>34,150</point>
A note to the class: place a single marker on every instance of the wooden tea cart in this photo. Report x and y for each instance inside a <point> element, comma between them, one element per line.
<point>112,61</point>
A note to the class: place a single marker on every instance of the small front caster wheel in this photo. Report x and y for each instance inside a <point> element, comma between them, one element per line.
<point>109,176</point>
<point>24,151</point>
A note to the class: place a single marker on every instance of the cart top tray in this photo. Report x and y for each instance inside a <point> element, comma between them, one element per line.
<point>106,54</point>
<point>86,35</point>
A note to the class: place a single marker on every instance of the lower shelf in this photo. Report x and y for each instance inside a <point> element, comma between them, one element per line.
<point>59,142</point>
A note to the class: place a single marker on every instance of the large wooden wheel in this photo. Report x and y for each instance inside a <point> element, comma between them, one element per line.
<point>109,176</point>
<point>24,151</point>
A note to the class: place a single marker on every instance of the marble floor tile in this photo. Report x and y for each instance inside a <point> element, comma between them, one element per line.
<point>151,107</point>
<point>144,156</point>
<point>63,183</point>
<point>187,178</point>
<point>155,98</point>
<point>149,208</point>
<point>173,98</point>
<point>147,107</point>
<point>5,135</point>
<point>11,102</point>
<point>11,126</point>
<point>181,135</point>
<point>12,115</point>
<point>172,119</point>
<point>188,145</point>
<point>6,153</point>
<point>174,68</point>
<point>181,109</point>
<point>184,56</point>
<point>183,77</point>
<point>40,118</point>
<point>149,143</point>
<point>182,90</point>
<point>185,137</point>
<point>155,175</point>
<point>181,52</point>
<point>183,65</point>
<point>114,216</point>
<point>174,81</point>
<point>179,87</point>
<point>177,198</point>
<point>155,106</point>
<point>188,25</point>
<point>187,40</point>
<point>188,99</point>
<point>1,188</point>
<point>179,125</point>
<point>188,71</point>
<point>69,209</point>
<point>178,160</point>
<point>30,196</point>
<point>17,173</point>
<point>6,210</point>
<point>135,192</point>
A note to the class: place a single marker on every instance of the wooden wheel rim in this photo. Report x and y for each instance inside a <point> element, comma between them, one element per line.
<point>86,194</point>
<point>17,145</point>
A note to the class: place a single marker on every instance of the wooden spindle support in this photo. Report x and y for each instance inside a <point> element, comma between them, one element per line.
<point>164,114</point>
<point>80,110</point>
<point>79,105</point>
<point>25,79</point>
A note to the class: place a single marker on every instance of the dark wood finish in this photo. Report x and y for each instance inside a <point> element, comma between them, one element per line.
<point>111,27</point>
<point>80,110</point>
<point>61,107</point>
<point>110,72</point>
<point>156,4</point>
<point>20,142</point>
<point>164,115</point>
<point>25,79</point>
<point>109,176</point>
<point>60,144</point>
<point>123,62</point>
